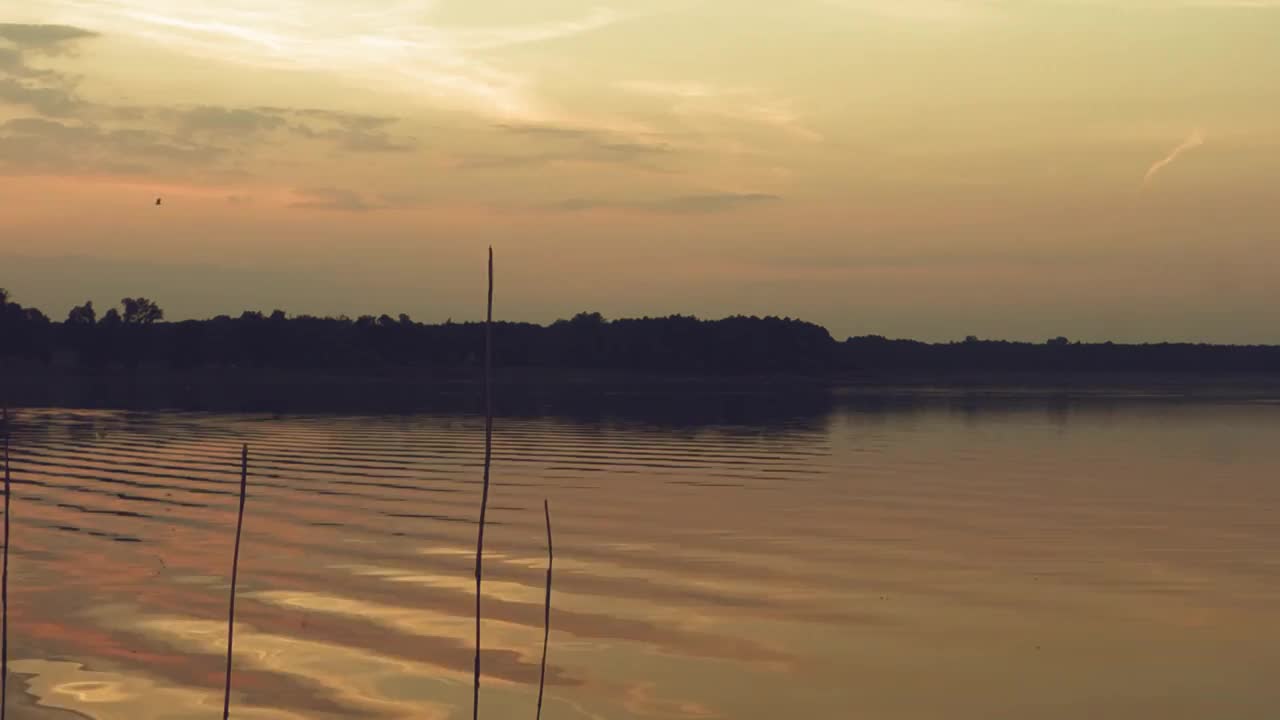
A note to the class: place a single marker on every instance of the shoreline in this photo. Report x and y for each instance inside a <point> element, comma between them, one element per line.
<point>528,391</point>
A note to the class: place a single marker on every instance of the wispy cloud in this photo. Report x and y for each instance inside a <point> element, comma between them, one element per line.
<point>42,38</point>
<point>741,105</point>
<point>41,145</point>
<point>230,121</point>
<point>57,130</point>
<point>350,132</point>
<point>397,48</point>
<point>549,143</point>
<point>1193,141</point>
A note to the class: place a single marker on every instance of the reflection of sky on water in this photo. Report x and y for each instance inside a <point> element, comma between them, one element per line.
<point>979,558</point>
<point>113,696</point>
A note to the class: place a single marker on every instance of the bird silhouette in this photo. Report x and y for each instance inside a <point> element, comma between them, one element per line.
<point>158,201</point>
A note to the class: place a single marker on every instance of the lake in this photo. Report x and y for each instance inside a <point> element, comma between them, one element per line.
<point>895,558</point>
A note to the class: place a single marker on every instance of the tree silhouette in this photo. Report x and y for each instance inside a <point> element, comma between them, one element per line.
<point>83,315</point>
<point>141,311</point>
<point>136,334</point>
<point>24,332</point>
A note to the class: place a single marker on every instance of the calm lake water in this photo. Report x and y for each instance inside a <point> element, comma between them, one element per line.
<point>1105,558</point>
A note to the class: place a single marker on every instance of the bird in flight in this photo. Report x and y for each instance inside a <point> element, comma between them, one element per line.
<point>158,200</point>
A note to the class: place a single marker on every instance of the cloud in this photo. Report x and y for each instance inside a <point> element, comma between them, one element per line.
<point>401,47</point>
<point>220,120</point>
<point>595,139</point>
<point>12,63</point>
<point>346,131</point>
<point>679,204</point>
<point>336,117</point>
<point>331,198</point>
<point>552,132</point>
<point>573,144</point>
<point>74,136</point>
<point>43,145</point>
<point>25,85</point>
<point>35,128</point>
<point>63,132</point>
<point>366,142</point>
<point>739,105</point>
<point>1195,140</point>
<point>42,98</point>
<point>54,95</point>
<point>45,38</point>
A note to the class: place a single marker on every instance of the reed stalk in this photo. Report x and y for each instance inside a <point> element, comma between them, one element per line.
<point>235,569</point>
<point>546,623</point>
<point>4,578</point>
<point>488,456</point>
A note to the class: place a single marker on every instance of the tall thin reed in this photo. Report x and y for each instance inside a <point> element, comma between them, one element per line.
<point>546,624</point>
<point>235,568</point>
<point>4,580</point>
<point>488,456</point>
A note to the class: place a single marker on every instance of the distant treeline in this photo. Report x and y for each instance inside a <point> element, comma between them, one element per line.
<point>136,335</point>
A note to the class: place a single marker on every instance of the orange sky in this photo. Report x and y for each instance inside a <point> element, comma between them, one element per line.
<point>1101,169</point>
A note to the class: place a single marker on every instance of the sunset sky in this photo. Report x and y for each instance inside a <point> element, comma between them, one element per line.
<point>1101,169</point>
